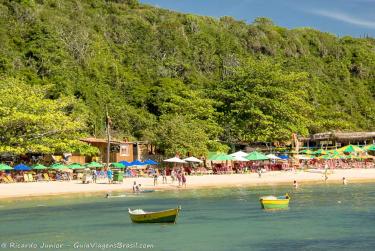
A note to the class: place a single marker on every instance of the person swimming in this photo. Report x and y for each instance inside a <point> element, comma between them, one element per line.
<point>344,181</point>
<point>295,184</point>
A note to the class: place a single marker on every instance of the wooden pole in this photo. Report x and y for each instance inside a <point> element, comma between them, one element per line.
<point>108,124</point>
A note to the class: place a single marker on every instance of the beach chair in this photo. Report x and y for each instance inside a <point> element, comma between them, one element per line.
<point>46,177</point>
<point>31,178</point>
<point>25,177</point>
<point>10,179</point>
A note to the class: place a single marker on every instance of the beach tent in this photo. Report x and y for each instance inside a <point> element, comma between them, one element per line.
<point>57,166</point>
<point>240,158</point>
<point>117,165</point>
<point>272,156</point>
<point>255,156</point>
<point>39,167</point>
<point>4,167</point>
<point>94,164</point>
<point>175,160</point>
<point>21,167</point>
<point>350,149</point>
<point>137,163</point>
<point>239,154</point>
<point>193,159</point>
<point>76,166</point>
<point>125,163</point>
<point>151,162</point>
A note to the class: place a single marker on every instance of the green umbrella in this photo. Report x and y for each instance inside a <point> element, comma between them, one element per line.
<point>117,165</point>
<point>39,167</point>
<point>369,147</point>
<point>57,166</point>
<point>76,166</point>
<point>4,167</point>
<point>321,152</point>
<point>94,165</point>
<point>254,156</point>
<point>307,152</point>
<point>350,149</point>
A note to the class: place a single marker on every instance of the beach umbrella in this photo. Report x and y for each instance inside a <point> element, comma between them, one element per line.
<point>137,163</point>
<point>240,158</point>
<point>307,151</point>
<point>76,166</point>
<point>284,157</point>
<point>223,157</point>
<point>39,167</point>
<point>321,152</point>
<point>255,156</point>
<point>239,154</point>
<point>57,166</point>
<point>117,165</point>
<point>193,159</point>
<point>94,164</point>
<point>272,156</point>
<point>175,160</point>
<point>125,163</point>
<point>369,147</point>
<point>350,149</point>
<point>21,167</point>
<point>4,167</point>
<point>151,162</point>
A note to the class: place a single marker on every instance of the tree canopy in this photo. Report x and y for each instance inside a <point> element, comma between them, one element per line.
<point>203,81</point>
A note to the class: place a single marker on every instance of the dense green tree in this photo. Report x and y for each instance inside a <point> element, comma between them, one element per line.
<point>147,64</point>
<point>32,122</point>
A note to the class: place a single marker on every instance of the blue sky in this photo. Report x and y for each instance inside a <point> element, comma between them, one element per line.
<point>341,17</point>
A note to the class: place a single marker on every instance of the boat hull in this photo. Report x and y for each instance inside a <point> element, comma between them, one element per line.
<point>281,202</point>
<point>167,216</point>
<point>275,204</point>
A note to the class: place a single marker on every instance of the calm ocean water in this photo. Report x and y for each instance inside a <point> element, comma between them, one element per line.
<point>321,217</point>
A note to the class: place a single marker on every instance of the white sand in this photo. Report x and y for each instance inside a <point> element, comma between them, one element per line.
<point>270,178</point>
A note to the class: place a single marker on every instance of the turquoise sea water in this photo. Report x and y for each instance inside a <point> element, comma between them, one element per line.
<point>321,217</point>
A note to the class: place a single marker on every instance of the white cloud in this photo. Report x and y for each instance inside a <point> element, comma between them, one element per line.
<point>345,18</point>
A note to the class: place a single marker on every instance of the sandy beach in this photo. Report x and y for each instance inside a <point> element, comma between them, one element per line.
<point>17,190</point>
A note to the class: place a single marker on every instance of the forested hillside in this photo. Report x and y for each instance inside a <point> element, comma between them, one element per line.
<point>187,83</point>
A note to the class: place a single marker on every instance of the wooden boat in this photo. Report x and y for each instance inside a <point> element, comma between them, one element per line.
<point>166,216</point>
<point>273,202</point>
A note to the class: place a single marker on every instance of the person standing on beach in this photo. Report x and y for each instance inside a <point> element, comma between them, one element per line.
<point>109,175</point>
<point>179,178</point>
<point>326,174</point>
<point>165,176</point>
<point>259,172</point>
<point>155,178</point>
<point>173,175</point>
<point>183,179</point>
<point>134,187</point>
<point>94,176</point>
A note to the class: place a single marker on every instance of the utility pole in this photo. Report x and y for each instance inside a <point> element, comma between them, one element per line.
<point>108,125</point>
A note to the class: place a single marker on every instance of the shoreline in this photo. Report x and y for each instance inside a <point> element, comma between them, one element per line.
<point>16,191</point>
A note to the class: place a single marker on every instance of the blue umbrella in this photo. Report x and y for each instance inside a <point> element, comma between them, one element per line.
<point>21,167</point>
<point>125,163</point>
<point>151,162</point>
<point>284,157</point>
<point>137,163</point>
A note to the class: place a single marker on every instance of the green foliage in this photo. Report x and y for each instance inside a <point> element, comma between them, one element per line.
<point>218,80</point>
<point>31,122</point>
